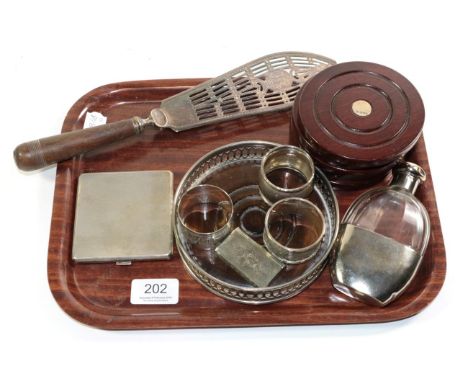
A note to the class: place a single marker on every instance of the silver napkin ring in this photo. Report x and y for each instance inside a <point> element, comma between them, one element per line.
<point>205,215</point>
<point>286,171</point>
<point>294,229</point>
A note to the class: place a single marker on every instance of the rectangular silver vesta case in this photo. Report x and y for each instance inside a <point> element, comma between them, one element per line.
<point>123,216</point>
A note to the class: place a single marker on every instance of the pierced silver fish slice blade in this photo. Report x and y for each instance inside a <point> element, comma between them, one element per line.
<point>267,84</point>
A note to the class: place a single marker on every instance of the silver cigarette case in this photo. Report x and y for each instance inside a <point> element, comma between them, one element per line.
<point>123,216</point>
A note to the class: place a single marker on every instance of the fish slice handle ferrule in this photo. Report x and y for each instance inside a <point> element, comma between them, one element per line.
<point>40,153</point>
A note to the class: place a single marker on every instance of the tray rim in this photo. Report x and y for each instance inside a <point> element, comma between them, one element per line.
<point>77,310</point>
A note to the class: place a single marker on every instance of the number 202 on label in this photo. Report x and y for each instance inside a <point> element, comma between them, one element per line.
<point>154,291</point>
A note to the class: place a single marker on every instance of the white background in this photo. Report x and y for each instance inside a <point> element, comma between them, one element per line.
<point>53,52</point>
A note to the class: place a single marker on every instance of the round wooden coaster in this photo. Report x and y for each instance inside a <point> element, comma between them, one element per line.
<point>333,166</point>
<point>341,177</point>
<point>353,185</point>
<point>363,114</point>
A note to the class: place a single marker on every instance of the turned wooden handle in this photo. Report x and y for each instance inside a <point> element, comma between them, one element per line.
<point>43,152</point>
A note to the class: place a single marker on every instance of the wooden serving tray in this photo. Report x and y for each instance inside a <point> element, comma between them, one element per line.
<point>99,294</point>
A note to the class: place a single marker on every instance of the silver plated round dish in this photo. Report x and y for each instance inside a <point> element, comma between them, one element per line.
<point>235,168</point>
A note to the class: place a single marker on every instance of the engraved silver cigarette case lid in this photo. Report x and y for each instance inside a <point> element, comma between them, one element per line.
<point>382,240</point>
<point>123,216</point>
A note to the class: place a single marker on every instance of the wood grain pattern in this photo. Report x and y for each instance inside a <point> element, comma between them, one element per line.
<point>99,294</point>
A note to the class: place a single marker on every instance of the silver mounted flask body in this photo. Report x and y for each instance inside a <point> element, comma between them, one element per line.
<point>382,240</point>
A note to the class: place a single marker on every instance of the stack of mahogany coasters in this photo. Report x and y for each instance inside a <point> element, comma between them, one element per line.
<point>357,120</point>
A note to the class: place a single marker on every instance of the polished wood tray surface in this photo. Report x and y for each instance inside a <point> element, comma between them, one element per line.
<point>99,294</point>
